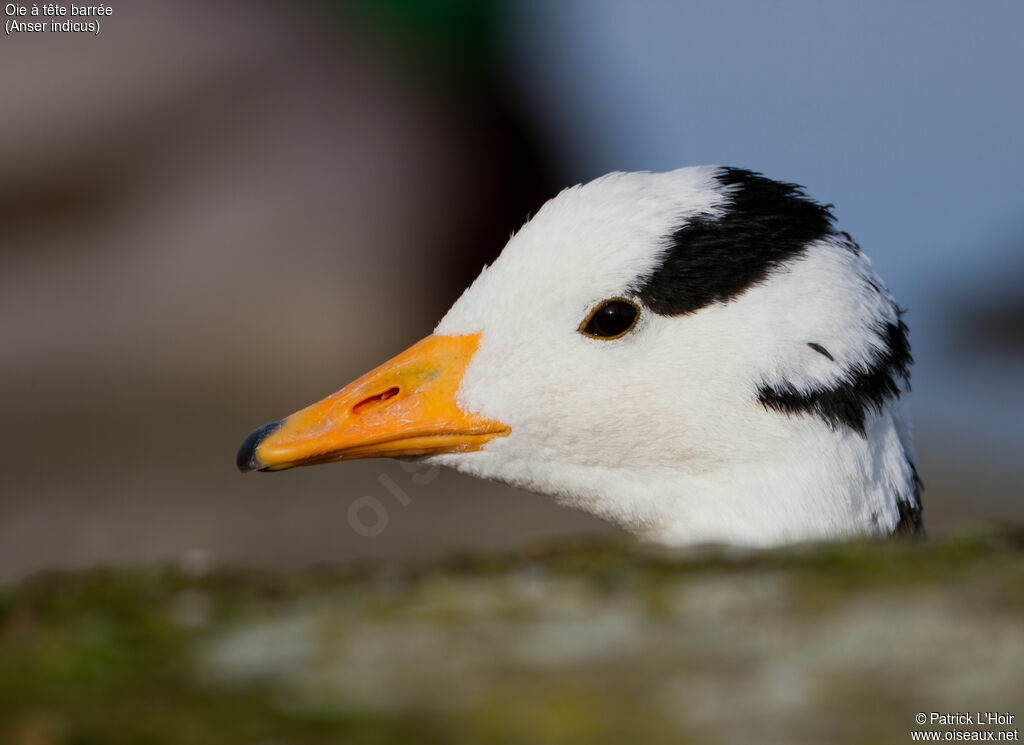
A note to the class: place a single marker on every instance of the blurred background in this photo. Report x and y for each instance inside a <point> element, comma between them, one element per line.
<point>214,213</point>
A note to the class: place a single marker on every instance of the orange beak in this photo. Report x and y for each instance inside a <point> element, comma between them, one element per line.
<point>406,406</point>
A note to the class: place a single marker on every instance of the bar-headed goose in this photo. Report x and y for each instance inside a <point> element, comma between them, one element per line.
<point>698,356</point>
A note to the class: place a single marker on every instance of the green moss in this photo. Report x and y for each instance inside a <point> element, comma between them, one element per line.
<point>579,643</point>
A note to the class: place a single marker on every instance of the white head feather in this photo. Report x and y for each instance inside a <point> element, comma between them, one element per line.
<point>666,430</point>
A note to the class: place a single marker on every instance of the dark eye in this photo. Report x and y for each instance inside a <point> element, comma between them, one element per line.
<point>610,320</point>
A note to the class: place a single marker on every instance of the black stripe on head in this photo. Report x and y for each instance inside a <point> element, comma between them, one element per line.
<point>862,389</point>
<point>712,260</point>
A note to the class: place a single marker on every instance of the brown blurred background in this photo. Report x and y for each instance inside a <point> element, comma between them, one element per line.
<point>214,213</point>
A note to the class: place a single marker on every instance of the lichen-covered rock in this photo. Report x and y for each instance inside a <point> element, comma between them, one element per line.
<point>595,643</point>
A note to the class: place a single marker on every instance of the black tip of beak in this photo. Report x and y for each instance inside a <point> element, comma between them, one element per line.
<point>246,459</point>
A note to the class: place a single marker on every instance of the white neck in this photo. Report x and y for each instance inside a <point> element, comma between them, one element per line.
<point>813,484</point>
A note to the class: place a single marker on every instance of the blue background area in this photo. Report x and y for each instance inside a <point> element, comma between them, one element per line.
<point>907,116</point>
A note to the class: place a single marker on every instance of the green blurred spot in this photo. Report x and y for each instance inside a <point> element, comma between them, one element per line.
<point>457,36</point>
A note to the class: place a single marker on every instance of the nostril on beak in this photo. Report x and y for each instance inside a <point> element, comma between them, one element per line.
<point>373,401</point>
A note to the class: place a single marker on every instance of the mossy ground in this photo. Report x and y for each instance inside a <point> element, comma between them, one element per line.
<point>590,643</point>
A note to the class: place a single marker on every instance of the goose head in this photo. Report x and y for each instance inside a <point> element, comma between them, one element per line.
<point>698,356</point>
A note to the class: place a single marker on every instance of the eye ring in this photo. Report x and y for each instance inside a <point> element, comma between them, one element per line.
<point>610,319</point>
